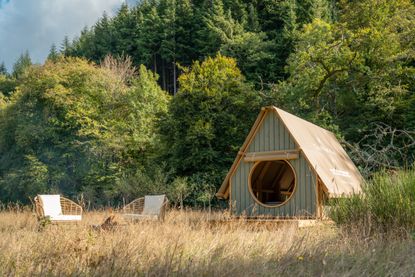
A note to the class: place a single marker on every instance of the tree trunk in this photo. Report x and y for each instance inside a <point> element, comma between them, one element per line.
<point>181,202</point>
<point>155,63</point>
<point>174,79</point>
<point>163,70</point>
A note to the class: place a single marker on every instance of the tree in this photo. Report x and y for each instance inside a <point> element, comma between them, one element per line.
<point>53,53</point>
<point>82,128</point>
<point>253,53</point>
<point>23,183</point>
<point>227,35</point>
<point>22,63</point>
<point>124,27</point>
<point>162,34</point>
<point>180,189</point>
<point>252,21</point>
<point>103,43</point>
<point>149,39</point>
<point>213,18</point>
<point>7,85</point>
<point>3,69</point>
<point>209,118</point>
<point>66,46</point>
<point>349,74</point>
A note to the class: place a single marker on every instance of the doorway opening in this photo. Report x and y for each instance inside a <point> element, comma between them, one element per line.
<point>272,182</point>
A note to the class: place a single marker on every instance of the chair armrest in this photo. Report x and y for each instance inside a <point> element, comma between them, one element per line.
<point>134,207</point>
<point>69,207</point>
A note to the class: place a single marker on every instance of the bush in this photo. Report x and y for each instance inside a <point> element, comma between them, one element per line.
<point>386,205</point>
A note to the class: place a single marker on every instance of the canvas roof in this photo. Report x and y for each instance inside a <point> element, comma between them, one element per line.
<point>321,149</point>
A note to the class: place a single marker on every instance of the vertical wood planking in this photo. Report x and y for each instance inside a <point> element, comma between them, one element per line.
<point>295,197</point>
<point>240,186</point>
<point>247,195</point>
<point>268,133</point>
<point>280,135</point>
<point>244,187</point>
<point>307,202</point>
<point>233,192</point>
<point>313,191</point>
<point>305,185</point>
<point>272,132</point>
<point>272,135</point>
<point>240,208</point>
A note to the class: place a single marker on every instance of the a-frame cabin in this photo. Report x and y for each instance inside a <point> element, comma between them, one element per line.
<point>286,168</point>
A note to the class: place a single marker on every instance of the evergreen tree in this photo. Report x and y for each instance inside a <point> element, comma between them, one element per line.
<point>7,84</point>
<point>238,10</point>
<point>22,63</point>
<point>167,12</point>
<point>252,20</point>
<point>250,49</point>
<point>66,46</point>
<point>213,18</point>
<point>3,69</point>
<point>124,25</point>
<point>186,29</point>
<point>53,53</point>
<point>150,36</point>
<point>83,46</point>
<point>103,42</point>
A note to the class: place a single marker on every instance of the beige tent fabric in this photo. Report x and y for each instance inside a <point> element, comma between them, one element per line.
<point>325,155</point>
<point>321,149</point>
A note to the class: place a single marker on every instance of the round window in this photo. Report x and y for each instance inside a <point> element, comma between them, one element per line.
<point>272,183</point>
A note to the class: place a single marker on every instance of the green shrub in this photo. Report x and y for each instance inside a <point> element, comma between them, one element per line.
<point>386,205</point>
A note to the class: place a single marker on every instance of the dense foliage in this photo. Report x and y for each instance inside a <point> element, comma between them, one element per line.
<point>98,121</point>
<point>355,71</point>
<point>164,33</point>
<point>74,127</point>
<point>209,118</point>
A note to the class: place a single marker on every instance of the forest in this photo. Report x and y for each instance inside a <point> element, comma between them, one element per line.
<point>160,96</point>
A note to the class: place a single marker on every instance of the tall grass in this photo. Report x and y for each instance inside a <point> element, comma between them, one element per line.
<point>387,205</point>
<point>188,244</point>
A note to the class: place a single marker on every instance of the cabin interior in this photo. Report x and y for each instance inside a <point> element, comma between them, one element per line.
<point>272,182</point>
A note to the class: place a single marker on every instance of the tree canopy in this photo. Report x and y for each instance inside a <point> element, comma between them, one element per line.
<point>74,127</point>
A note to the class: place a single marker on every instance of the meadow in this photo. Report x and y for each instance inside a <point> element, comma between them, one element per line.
<point>187,243</point>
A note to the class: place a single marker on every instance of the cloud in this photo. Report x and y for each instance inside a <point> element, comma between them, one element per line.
<point>35,25</point>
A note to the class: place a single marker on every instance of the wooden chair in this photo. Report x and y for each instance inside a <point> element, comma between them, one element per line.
<point>150,207</point>
<point>56,208</point>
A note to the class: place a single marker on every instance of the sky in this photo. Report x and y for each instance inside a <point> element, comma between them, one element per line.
<point>34,25</point>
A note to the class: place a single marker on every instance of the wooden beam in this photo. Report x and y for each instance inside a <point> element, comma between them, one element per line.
<point>272,155</point>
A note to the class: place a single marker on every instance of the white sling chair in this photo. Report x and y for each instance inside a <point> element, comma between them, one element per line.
<point>57,208</point>
<point>148,207</point>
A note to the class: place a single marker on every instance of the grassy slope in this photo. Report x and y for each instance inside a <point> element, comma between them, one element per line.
<point>187,245</point>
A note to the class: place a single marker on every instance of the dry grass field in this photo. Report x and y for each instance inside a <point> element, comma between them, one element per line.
<point>187,244</point>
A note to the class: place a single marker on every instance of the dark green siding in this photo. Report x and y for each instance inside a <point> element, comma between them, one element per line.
<point>273,136</point>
